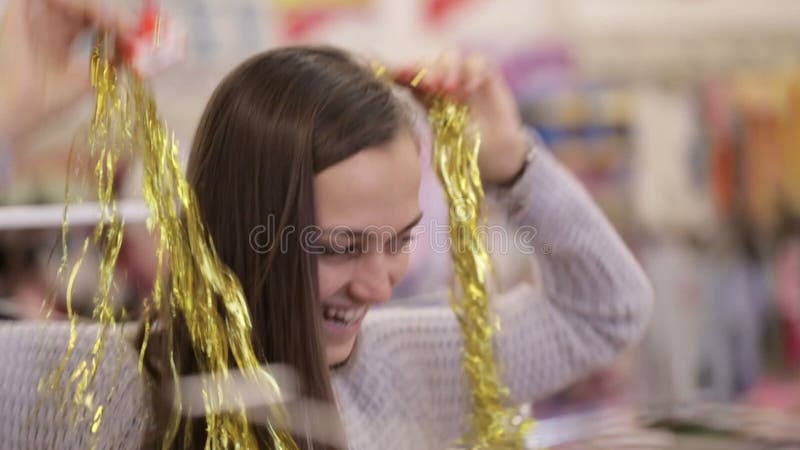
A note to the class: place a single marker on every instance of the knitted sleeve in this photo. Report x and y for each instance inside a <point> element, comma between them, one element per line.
<point>32,418</point>
<point>593,300</point>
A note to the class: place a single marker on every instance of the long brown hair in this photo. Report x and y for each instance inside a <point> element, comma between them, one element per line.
<point>273,123</point>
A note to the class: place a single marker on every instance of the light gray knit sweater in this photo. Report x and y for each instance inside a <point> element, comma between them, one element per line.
<point>403,388</point>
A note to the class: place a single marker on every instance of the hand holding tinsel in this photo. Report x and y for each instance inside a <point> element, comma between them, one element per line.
<point>41,71</point>
<point>478,85</point>
<point>198,288</point>
<point>467,100</point>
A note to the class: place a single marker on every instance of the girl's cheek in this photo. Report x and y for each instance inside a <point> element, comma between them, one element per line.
<point>333,275</point>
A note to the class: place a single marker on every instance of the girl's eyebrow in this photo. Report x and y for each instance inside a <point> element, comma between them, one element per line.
<point>358,235</point>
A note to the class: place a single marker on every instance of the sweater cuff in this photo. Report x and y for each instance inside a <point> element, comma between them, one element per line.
<point>518,197</point>
<point>546,186</point>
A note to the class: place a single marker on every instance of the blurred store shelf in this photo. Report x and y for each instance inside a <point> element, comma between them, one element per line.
<point>51,216</point>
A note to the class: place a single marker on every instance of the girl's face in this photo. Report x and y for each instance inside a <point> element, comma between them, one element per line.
<point>366,206</point>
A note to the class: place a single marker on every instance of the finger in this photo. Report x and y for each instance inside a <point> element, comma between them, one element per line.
<point>411,74</point>
<point>451,66</point>
<point>424,82</point>
<point>476,75</point>
<point>439,71</point>
<point>446,72</point>
<point>309,417</point>
<point>401,75</point>
<point>97,12</point>
<point>236,390</point>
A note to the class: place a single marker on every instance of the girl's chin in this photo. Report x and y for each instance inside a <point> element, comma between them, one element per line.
<point>339,339</point>
<point>336,354</point>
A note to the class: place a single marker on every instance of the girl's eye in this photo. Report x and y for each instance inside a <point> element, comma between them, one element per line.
<point>348,250</point>
<point>402,243</point>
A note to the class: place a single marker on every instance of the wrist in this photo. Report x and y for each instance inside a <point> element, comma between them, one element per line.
<point>528,147</point>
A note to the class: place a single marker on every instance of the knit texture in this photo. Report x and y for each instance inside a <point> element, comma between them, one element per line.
<point>32,420</point>
<point>403,387</point>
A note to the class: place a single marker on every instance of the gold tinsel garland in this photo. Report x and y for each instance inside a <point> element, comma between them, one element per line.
<point>198,288</point>
<point>495,424</point>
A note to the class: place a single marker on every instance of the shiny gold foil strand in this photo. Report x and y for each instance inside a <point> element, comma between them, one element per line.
<point>50,300</point>
<point>107,143</point>
<point>198,279</point>
<point>201,289</point>
<point>107,235</point>
<point>494,424</point>
<point>455,157</point>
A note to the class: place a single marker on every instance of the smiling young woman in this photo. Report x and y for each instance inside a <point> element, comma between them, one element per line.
<point>309,138</point>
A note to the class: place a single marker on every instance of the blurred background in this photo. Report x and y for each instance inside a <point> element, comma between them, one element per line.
<point>681,117</point>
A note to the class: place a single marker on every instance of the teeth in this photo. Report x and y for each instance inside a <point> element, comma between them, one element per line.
<point>345,316</point>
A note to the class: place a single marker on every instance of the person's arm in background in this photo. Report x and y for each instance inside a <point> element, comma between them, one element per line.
<point>39,72</point>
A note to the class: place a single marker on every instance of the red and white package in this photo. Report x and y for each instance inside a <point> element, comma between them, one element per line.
<point>159,42</point>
